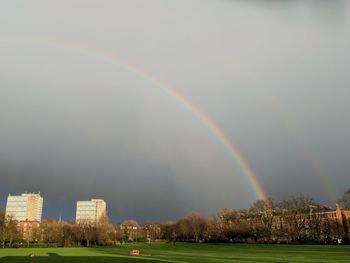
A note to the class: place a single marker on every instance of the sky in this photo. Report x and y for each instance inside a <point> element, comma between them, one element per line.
<point>86,111</point>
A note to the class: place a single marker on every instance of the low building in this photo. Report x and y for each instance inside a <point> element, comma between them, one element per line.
<point>328,226</point>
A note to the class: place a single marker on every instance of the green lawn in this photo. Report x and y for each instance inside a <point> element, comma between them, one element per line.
<point>182,253</point>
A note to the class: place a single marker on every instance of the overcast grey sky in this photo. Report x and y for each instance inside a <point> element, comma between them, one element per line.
<point>273,74</point>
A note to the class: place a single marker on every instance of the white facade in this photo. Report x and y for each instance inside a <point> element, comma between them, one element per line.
<point>90,211</point>
<point>24,207</point>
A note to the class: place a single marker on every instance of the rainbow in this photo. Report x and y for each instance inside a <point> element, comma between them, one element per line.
<point>166,87</point>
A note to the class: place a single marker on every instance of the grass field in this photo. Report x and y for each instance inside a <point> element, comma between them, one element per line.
<point>182,253</point>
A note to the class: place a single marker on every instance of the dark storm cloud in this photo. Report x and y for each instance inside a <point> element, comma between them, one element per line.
<point>272,74</point>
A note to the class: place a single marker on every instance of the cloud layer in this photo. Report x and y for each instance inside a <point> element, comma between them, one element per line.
<point>272,74</point>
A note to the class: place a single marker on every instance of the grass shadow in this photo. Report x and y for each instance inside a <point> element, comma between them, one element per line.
<point>55,258</point>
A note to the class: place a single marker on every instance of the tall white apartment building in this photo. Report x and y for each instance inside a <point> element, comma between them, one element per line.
<point>90,211</point>
<point>25,207</point>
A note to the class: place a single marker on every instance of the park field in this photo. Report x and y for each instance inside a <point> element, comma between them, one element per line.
<point>181,252</point>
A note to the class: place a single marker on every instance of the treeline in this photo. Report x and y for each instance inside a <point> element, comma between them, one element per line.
<point>295,220</point>
<point>56,233</point>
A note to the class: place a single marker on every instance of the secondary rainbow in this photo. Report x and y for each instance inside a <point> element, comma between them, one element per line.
<point>166,87</point>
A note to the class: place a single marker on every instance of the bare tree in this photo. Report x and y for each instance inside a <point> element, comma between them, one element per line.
<point>193,227</point>
<point>169,232</point>
<point>315,225</point>
<point>215,232</point>
<point>52,232</point>
<point>11,230</point>
<point>233,224</point>
<point>153,230</point>
<point>77,234</point>
<point>105,231</point>
<point>88,232</point>
<point>345,200</point>
<point>69,234</point>
<point>132,230</point>
<point>3,228</point>
<point>264,211</point>
<point>296,210</point>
